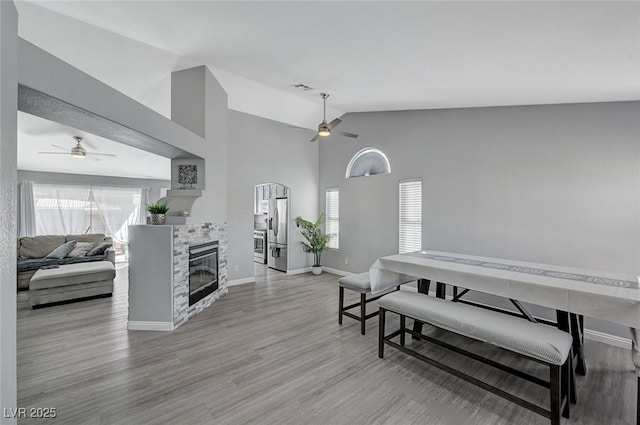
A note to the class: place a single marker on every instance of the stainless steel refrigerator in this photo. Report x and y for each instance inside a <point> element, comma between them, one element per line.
<point>277,226</point>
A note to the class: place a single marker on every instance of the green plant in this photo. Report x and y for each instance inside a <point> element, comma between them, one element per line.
<point>158,208</point>
<point>316,241</point>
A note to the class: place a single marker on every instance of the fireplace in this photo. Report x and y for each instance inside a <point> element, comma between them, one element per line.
<point>203,270</point>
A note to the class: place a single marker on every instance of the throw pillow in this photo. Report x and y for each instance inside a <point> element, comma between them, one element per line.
<point>81,249</point>
<point>99,249</point>
<point>62,251</point>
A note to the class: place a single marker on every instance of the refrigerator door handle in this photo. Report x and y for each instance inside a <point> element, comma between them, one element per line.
<point>271,224</point>
<point>275,229</point>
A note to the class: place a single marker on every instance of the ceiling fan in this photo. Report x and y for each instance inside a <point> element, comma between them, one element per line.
<point>78,151</point>
<point>324,128</point>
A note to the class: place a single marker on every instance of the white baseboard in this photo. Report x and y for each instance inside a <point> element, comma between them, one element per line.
<point>336,271</point>
<point>149,326</point>
<point>616,341</point>
<point>299,271</point>
<point>235,282</point>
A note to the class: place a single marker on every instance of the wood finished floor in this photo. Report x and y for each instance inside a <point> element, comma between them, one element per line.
<point>272,353</point>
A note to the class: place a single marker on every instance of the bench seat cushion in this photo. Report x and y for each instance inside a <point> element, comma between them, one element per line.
<point>535,340</point>
<point>73,274</point>
<point>356,282</point>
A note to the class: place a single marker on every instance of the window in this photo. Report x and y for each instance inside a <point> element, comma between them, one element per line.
<point>368,162</point>
<point>410,215</point>
<point>332,216</point>
<point>71,209</point>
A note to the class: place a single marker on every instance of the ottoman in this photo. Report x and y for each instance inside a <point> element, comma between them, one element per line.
<point>71,282</point>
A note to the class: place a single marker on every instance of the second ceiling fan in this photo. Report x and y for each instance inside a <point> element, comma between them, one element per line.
<point>325,128</point>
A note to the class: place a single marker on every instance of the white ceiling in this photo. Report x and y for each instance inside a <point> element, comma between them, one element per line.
<point>398,55</point>
<point>36,134</point>
<point>369,56</point>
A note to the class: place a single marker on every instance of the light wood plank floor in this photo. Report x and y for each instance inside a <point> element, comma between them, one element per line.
<point>272,353</point>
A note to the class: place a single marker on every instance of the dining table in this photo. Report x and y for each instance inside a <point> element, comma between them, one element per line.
<point>573,292</point>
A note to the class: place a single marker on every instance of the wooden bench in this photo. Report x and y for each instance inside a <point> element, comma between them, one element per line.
<point>536,342</point>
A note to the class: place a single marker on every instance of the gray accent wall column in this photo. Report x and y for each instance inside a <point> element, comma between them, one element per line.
<point>8,172</point>
<point>199,103</point>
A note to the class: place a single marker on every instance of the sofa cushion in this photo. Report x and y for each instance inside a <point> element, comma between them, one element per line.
<point>31,264</point>
<point>81,249</point>
<point>92,237</point>
<point>62,251</point>
<point>99,249</point>
<point>39,246</point>
<point>73,274</point>
<point>35,263</point>
<point>85,259</point>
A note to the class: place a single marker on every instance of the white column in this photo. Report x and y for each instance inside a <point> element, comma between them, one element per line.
<point>8,219</point>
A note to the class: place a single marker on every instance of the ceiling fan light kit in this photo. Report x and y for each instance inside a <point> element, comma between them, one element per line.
<point>324,128</point>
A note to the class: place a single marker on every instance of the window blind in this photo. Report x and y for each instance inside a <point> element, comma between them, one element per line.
<point>332,216</point>
<point>410,215</point>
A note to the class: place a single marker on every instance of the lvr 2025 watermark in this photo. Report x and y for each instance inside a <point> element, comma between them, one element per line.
<point>31,412</point>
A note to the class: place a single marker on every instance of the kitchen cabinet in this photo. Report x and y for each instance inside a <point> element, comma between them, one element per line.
<point>267,191</point>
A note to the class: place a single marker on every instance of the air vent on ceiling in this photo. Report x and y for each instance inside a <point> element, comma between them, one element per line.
<point>302,86</point>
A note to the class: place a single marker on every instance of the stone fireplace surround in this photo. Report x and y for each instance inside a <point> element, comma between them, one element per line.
<point>183,237</point>
<point>159,273</point>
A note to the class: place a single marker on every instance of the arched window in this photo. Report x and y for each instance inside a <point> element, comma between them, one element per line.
<point>368,162</point>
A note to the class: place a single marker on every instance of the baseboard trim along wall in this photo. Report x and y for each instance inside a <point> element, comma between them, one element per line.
<point>336,271</point>
<point>149,326</point>
<point>299,271</point>
<point>616,341</point>
<point>242,281</point>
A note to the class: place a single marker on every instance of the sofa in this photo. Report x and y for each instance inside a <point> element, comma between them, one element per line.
<point>32,253</point>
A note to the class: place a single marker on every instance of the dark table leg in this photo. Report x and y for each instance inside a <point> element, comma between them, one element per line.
<point>441,290</point>
<point>423,288</point>
<point>577,332</point>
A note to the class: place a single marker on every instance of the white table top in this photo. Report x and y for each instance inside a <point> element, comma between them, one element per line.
<point>610,296</point>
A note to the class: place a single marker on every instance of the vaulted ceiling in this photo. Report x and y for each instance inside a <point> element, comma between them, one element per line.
<point>370,56</point>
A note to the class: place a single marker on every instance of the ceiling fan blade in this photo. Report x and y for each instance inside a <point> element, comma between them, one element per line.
<point>88,144</point>
<point>334,123</point>
<point>55,153</point>
<point>101,154</point>
<point>60,147</point>
<point>345,134</point>
<point>314,138</point>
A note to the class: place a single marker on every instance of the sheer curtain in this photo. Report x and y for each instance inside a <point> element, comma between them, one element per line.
<point>119,207</point>
<point>26,209</point>
<point>61,209</point>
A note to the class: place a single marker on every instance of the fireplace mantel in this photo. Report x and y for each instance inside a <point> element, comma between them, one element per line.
<point>159,273</point>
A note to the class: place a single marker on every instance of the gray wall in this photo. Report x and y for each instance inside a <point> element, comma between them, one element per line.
<point>556,184</point>
<point>85,179</point>
<point>205,114</point>
<point>8,160</point>
<point>266,151</point>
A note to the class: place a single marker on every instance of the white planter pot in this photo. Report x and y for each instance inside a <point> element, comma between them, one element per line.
<point>316,270</point>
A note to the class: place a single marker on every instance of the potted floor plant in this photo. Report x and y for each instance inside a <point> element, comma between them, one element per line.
<point>316,242</point>
<point>158,212</point>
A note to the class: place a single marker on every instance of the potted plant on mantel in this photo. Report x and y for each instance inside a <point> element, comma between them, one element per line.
<point>316,241</point>
<point>158,212</point>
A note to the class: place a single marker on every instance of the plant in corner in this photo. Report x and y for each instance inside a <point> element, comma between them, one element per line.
<point>158,212</point>
<point>316,241</point>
